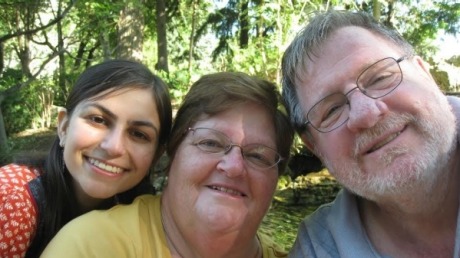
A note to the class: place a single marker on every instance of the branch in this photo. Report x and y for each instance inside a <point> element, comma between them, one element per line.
<point>28,32</point>
<point>18,86</point>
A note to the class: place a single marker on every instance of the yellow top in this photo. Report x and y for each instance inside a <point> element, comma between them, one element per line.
<point>129,231</point>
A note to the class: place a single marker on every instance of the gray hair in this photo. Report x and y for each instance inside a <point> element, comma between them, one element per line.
<point>309,41</point>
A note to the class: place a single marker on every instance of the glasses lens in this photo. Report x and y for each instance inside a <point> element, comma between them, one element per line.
<point>260,156</point>
<point>329,113</point>
<point>256,155</point>
<point>209,140</point>
<point>380,78</point>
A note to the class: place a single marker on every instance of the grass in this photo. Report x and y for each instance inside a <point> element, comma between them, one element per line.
<point>283,219</point>
<point>30,144</point>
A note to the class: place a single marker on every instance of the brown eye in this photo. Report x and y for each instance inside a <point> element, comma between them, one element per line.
<point>140,135</point>
<point>98,120</point>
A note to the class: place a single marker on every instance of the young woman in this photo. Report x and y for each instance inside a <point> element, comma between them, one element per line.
<point>113,129</point>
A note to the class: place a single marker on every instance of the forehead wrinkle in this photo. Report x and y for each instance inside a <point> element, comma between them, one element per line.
<point>321,86</point>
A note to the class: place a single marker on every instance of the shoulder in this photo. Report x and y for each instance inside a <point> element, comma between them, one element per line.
<point>333,230</point>
<point>330,215</point>
<point>314,238</point>
<point>142,204</point>
<point>18,211</point>
<point>122,231</point>
<point>14,190</point>
<point>120,219</point>
<point>269,248</point>
<point>17,174</point>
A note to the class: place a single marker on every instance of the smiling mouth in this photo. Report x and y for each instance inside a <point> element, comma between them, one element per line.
<point>104,166</point>
<point>384,142</point>
<point>226,190</point>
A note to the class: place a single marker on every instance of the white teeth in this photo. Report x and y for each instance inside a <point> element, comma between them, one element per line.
<point>226,190</point>
<point>387,140</point>
<point>106,167</point>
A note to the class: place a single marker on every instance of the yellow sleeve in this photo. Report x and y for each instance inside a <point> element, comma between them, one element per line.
<point>89,236</point>
<point>270,248</point>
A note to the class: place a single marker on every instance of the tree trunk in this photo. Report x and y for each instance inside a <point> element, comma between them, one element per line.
<point>2,56</point>
<point>244,25</point>
<point>3,139</point>
<point>192,35</point>
<point>62,67</point>
<point>376,9</point>
<point>131,31</point>
<point>23,49</point>
<point>162,63</point>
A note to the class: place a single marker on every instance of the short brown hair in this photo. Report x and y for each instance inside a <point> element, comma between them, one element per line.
<point>218,92</point>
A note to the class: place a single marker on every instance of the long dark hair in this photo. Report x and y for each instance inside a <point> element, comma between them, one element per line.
<point>60,203</point>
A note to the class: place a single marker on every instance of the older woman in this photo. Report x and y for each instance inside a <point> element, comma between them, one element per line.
<point>229,144</point>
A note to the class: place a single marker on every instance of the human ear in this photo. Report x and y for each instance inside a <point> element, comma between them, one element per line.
<point>308,141</point>
<point>425,66</point>
<point>63,123</point>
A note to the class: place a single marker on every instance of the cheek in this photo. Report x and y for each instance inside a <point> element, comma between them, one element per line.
<point>191,168</point>
<point>76,142</point>
<point>80,135</point>
<point>336,147</point>
<point>265,185</point>
<point>143,155</point>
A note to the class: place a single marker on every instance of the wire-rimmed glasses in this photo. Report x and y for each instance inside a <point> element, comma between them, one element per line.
<point>257,156</point>
<point>376,81</point>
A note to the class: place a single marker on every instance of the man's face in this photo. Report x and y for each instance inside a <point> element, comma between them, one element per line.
<point>390,144</point>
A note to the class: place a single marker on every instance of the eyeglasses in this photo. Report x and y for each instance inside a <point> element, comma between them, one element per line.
<point>376,81</point>
<point>257,156</point>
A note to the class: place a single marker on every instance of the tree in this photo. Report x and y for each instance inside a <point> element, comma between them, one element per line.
<point>162,62</point>
<point>130,31</point>
<point>22,19</point>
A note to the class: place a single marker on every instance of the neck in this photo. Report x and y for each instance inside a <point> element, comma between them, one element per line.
<point>87,203</point>
<point>421,224</point>
<point>195,242</point>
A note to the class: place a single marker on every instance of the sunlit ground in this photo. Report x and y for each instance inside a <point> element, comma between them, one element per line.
<point>287,212</point>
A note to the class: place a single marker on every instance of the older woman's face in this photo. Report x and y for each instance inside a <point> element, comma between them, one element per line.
<point>221,192</point>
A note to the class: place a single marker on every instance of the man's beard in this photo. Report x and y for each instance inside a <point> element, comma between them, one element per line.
<point>411,170</point>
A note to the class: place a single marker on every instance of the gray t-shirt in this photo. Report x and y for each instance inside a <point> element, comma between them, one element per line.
<point>335,230</point>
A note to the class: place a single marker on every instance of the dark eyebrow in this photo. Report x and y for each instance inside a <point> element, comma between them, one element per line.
<point>103,109</point>
<point>132,123</point>
<point>144,123</point>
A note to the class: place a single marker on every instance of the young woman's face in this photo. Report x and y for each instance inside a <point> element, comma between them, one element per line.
<point>109,143</point>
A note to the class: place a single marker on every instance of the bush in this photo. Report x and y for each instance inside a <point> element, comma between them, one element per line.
<point>29,107</point>
<point>441,78</point>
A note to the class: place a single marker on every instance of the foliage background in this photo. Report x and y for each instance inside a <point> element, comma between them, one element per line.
<point>45,45</point>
